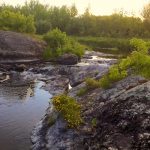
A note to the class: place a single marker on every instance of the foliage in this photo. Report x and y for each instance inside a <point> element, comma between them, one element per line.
<point>105,82</point>
<point>115,74</point>
<point>67,20</point>
<point>47,54</point>
<point>139,45</point>
<point>15,21</point>
<point>94,122</point>
<point>56,39</point>
<point>107,45</point>
<point>59,43</point>
<point>92,84</point>
<point>138,63</point>
<point>69,108</point>
<point>82,91</point>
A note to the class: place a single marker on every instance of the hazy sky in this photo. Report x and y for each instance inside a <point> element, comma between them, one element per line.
<point>97,7</point>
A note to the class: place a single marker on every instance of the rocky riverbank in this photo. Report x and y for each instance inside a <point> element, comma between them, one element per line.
<point>114,119</point>
<point>121,116</point>
<point>59,79</point>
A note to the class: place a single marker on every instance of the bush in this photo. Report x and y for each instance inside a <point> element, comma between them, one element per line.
<point>59,43</point>
<point>139,45</point>
<point>92,84</point>
<point>47,53</point>
<point>115,74</point>
<point>69,108</point>
<point>56,39</point>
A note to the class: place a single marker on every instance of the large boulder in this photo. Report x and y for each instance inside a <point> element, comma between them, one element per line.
<point>15,46</point>
<point>68,59</point>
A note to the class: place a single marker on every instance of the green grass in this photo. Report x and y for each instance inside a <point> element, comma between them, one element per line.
<point>106,44</point>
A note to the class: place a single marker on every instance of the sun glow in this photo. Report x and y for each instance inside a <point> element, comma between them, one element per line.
<point>97,7</point>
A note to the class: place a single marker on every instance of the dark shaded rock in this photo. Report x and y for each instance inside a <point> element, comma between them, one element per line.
<point>15,46</point>
<point>68,59</point>
<point>20,68</point>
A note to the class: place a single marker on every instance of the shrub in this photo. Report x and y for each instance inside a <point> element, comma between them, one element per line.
<point>69,108</point>
<point>47,53</point>
<point>115,74</point>
<point>74,47</point>
<point>56,39</point>
<point>139,45</point>
<point>92,84</point>
<point>59,43</point>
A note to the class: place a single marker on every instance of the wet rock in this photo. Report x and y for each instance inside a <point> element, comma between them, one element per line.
<point>68,59</point>
<point>57,85</point>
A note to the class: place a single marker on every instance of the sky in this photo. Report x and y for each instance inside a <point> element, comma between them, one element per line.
<point>97,7</point>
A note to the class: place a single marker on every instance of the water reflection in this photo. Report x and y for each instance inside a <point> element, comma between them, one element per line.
<point>17,88</point>
<point>22,105</point>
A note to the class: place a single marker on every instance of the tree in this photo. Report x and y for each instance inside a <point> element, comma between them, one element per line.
<point>146,12</point>
<point>40,13</point>
<point>16,22</point>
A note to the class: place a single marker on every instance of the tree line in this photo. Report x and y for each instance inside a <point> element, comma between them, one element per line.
<point>34,17</point>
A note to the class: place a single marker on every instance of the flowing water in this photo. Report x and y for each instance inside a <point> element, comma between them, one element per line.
<point>21,107</point>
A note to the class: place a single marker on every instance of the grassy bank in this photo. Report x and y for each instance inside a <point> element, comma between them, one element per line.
<point>106,44</point>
